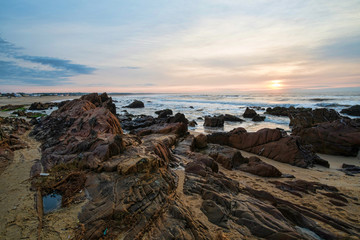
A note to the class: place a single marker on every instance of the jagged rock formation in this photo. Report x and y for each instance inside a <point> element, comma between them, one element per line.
<point>159,182</point>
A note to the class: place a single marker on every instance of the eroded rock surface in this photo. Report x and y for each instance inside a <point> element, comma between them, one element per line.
<point>272,143</point>
<point>159,182</point>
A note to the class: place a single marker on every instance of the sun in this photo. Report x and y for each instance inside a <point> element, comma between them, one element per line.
<point>275,84</point>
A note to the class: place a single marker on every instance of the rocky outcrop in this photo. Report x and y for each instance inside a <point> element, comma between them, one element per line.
<point>232,118</point>
<point>200,141</point>
<point>178,118</point>
<point>283,111</point>
<point>164,113</point>
<point>271,143</point>
<point>135,104</point>
<point>102,100</point>
<point>352,111</point>
<point>79,131</point>
<point>340,137</point>
<point>11,130</point>
<point>216,121</point>
<point>42,106</point>
<point>249,113</point>
<point>305,119</point>
<point>258,118</point>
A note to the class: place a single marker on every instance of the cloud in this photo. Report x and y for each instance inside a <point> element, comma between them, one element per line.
<point>36,70</point>
<point>130,67</point>
<point>341,48</point>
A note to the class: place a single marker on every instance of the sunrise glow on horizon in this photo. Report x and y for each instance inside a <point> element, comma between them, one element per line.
<point>181,46</point>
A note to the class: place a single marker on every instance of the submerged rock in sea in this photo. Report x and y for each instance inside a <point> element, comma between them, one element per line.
<point>249,113</point>
<point>352,111</point>
<point>258,118</point>
<point>215,121</point>
<point>271,143</point>
<point>164,113</point>
<point>135,104</point>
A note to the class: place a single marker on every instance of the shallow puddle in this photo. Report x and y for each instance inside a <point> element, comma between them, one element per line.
<point>51,202</point>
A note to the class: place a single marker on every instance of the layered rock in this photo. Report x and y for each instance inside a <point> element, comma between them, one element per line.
<point>340,137</point>
<point>11,130</point>
<point>306,119</point>
<point>102,100</point>
<point>271,143</point>
<point>80,131</point>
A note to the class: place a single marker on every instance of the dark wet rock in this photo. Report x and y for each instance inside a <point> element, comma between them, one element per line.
<point>200,141</point>
<point>42,106</point>
<point>305,119</point>
<point>297,186</point>
<point>191,107</point>
<point>102,100</point>
<point>259,168</point>
<point>350,169</point>
<point>283,111</point>
<point>249,113</point>
<point>352,111</point>
<point>178,118</point>
<point>164,113</point>
<point>192,123</point>
<point>340,137</point>
<point>229,158</point>
<point>271,143</point>
<point>129,123</point>
<point>232,118</point>
<point>135,104</point>
<point>216,121</point>
<point>214,213</point>
<point>258,118</point>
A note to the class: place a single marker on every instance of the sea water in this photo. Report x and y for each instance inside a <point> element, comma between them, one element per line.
<point>198,106</point>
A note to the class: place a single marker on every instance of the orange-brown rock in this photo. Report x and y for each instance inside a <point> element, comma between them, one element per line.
<point>272,143</point>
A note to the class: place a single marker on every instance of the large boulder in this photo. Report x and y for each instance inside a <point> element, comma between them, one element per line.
<point>164,113</point>
<point>272,143</point>
<point>215,121</point>
<point>340,137</point>
<point>352,111</point>
<point>249,113</point>
<point>135,104</point>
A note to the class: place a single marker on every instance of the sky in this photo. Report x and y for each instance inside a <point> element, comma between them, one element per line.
<point>179,46</point>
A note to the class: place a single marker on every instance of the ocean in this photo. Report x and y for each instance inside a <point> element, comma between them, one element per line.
<point>198,106</point>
